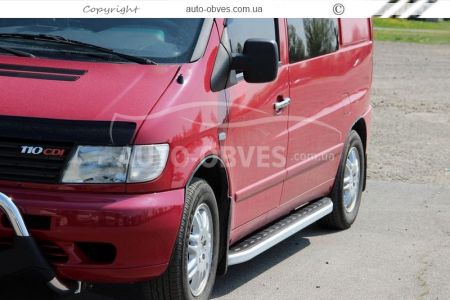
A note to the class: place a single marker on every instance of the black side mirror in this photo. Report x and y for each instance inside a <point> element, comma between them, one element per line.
<point>259,61</point>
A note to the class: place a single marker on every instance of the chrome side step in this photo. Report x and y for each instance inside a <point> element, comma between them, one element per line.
<point>25,253</point>
<point>276,233</point>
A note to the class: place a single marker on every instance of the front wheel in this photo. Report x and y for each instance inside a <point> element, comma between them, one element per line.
<point>192,270</point>
<point>347,189</point>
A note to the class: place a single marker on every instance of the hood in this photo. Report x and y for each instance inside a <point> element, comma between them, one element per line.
<point>70,90</point>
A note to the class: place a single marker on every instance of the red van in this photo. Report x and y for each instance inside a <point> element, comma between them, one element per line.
<point>163,151</point>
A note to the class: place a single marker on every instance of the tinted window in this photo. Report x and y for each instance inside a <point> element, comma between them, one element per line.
<point>309,38</point>
<point>240,30</point>
<point>162,40</point>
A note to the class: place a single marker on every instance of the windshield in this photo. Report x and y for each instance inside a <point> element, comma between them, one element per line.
<point>161,40</point>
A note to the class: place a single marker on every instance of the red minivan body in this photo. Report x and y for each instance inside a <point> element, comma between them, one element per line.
<point>126,232</point>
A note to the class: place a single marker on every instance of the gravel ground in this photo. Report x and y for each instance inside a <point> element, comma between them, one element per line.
<point>411,127</point>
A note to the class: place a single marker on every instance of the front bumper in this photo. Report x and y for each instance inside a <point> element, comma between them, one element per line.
<point>137,231</point>
<point>24,254</point>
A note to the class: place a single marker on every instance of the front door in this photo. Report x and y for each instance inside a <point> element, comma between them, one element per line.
<point>256,143</point>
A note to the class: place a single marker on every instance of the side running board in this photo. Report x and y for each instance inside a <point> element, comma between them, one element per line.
<point>278,232</point>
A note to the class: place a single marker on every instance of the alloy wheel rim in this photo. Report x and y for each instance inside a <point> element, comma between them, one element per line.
<point>351,179</point>
<point>200,250</point>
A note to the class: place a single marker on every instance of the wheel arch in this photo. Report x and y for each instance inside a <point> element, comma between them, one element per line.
<point>361,128</point>
<point>213,170</point>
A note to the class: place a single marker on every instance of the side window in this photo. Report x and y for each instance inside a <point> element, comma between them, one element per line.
<point>240,30</point>
<point>310,38</point>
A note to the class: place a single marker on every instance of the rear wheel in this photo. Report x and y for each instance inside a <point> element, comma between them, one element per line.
<point>347,189</point>
<point>192,270</point>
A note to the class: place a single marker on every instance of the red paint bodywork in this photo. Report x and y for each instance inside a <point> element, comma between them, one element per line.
<point>142,227</point>
<point>329,95</point>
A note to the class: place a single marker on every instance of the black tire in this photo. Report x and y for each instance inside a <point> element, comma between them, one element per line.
<point>173,284</point>
<point>340,218</point>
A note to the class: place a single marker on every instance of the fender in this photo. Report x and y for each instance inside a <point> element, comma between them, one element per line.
<point>226,204</point>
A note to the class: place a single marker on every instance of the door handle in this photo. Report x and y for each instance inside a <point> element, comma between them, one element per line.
<point>278,106</point>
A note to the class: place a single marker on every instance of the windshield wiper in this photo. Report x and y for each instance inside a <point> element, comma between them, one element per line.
<point>16,52</point>
<point>65,41</point>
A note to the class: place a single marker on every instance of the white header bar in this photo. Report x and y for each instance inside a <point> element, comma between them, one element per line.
<point>221,8</point>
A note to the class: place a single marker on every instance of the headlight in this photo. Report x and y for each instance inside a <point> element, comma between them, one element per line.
<point>113,164</point>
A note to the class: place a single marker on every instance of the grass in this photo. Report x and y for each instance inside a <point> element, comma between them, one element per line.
<point>412,37</point>
<point>401,30</point>
<point>409,24</point>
